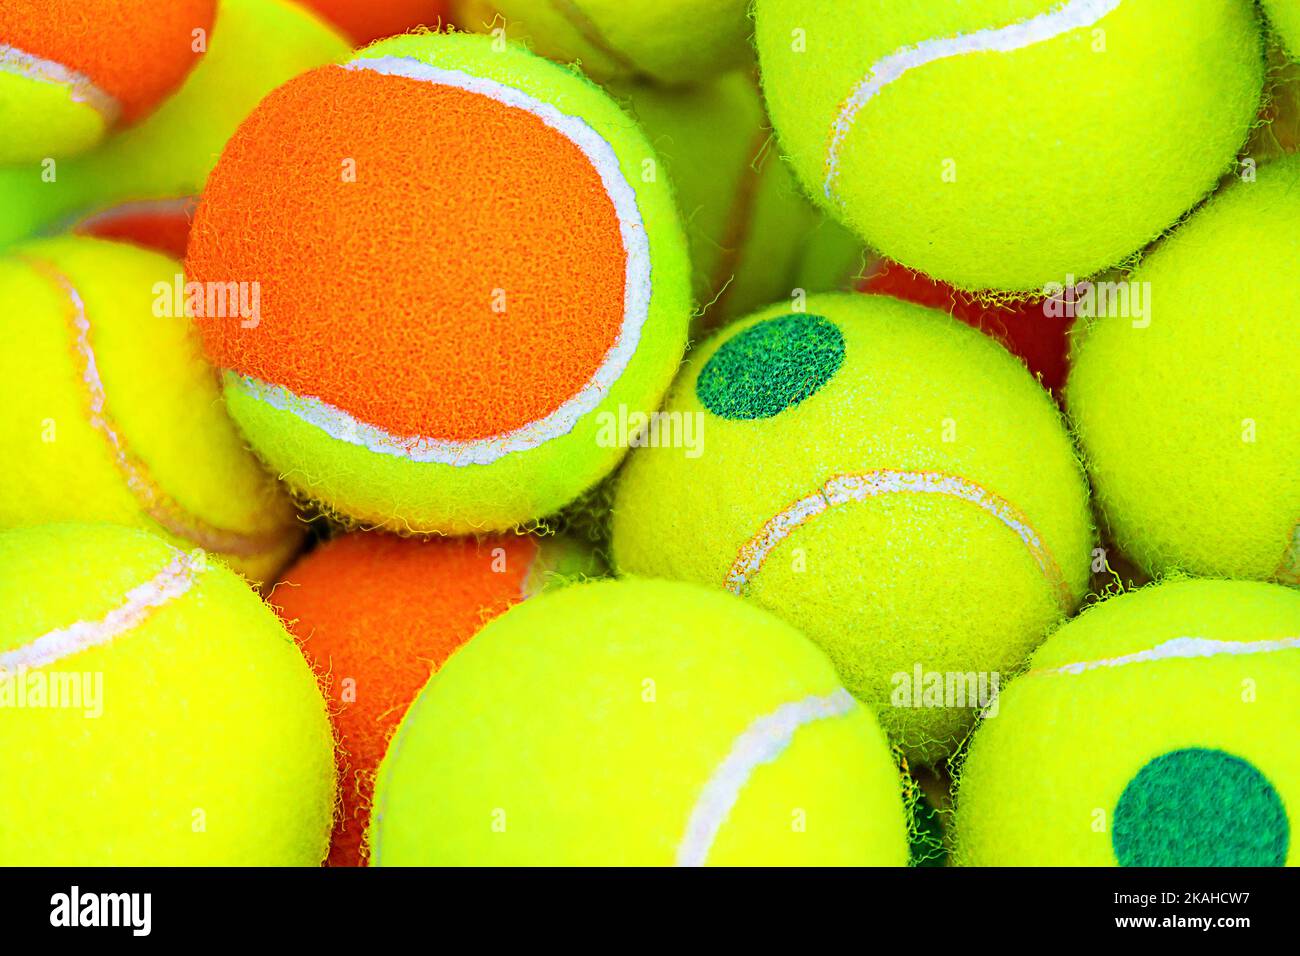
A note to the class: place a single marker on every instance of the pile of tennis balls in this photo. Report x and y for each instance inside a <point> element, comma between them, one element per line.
<point>523,466</point>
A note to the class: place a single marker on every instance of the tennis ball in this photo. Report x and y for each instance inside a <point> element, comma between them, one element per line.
<point>71,70</point>
<point>1186,415</point>
<point>114,414</point>
<point>1034,331</point>
<point>376,615</point>
<point>893,481</point>
<point>672,42</point>
<point>1157,729</point>
<point>477,306</point>
<point>747,221</point>
<point>1284,17</point>
<point>637,723</point>
<point>162,225</point>
<point>1009,143</point>
<point>256,45</point>
<point>365,21</point>
<point>155,711</point>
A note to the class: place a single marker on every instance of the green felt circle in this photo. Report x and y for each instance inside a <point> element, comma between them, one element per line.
<point>771,366</point>
<point>1200,808</point>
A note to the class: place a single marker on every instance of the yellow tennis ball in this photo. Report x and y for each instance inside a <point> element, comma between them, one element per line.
<point>1009,144</point>
<point>154,710</point>
<point>1284,17</point>
<point>1157,729</point>
<point>747,221</point>
<point>1186,412</point>
<point>640,723</point>
<point>673,42</point>
<point>109,411</point>
<point>888,479</point>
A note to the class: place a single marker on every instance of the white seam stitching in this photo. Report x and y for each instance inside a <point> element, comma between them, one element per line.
<point>82,89</point>
<point>1176,648</point>
<point>762,742</point>
<point>167,585</point>
<point>1064,18</point>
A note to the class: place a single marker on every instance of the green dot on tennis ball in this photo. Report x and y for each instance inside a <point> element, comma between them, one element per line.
<point>771,366</point>
<point>1200,808</point>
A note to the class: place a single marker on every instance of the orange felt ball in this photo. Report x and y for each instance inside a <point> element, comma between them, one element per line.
<point>376,616</point>
<point>366,20</point>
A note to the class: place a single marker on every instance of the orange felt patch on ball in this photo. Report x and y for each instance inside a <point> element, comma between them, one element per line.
<point>137,51</point>
<point>376,616</point>
<point>367,20</point>
<point>412,239</point>
<point>163,227</point>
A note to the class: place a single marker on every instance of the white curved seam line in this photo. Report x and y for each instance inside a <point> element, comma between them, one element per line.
<point>1176,648</point>
<point>169,515</point>
<point>169,584</point>
<point>1062,19</point>
<point>81,89</point>
<point>636,297</point>
<point>762,742</point>
<point>845,489</point>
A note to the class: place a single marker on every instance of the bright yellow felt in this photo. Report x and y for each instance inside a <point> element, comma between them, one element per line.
<point>210,745</point>
<point>582,727</point>
<point>897,580</point>
<point>160,453</point>
<point>1045,779</point>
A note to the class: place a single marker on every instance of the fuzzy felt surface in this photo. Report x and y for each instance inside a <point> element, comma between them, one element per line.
<point>1009,169</point>
<point>211,746</point>
<point>256,45</point>
<point>1123,746</point>
<point>869,387</point>
<point>116,415</point>
<point>492,273</point>
<point>376,615</point>
<point>671,42</point>
<point>1284,18</point>
<point>1040,340</point>
<point>586,726</point>
<point>136,51</point>
<point>424,346</point>
<point>747,220</point>
<point>366,20</point>
<point>1188,420</point>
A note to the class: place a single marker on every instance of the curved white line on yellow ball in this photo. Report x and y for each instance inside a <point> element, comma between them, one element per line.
<point>636,294</point>
<point>846,489</point>
<point>762,742</point>
<point>138,604</point>
<point>1060,20</point>
<point>81,89</point>
<point>169,514</point>
<point>1176,648</point>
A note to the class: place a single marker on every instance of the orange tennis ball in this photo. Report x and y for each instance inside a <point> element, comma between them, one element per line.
<point>376,615</point>
<point>366,20</point>
<point>465,281</point>
<point>71,70</point>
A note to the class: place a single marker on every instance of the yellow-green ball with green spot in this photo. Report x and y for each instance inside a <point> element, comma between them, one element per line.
<point>1156,729</point>
<point>891,481</point>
